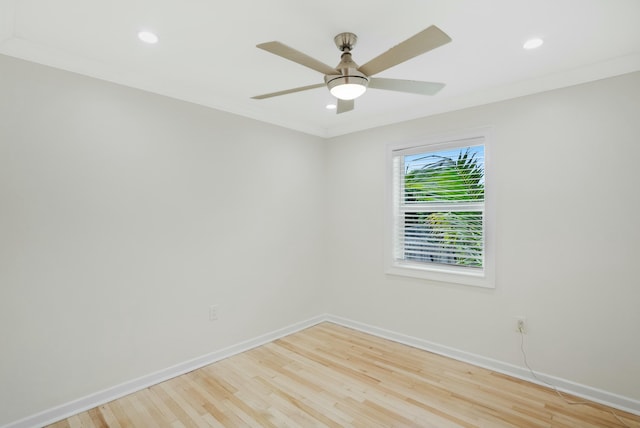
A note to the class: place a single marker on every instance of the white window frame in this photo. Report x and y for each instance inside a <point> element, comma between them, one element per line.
<point>483,277</point>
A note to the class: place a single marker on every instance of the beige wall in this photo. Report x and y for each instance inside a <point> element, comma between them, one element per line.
<point>124,215</point>
<point>568,236</point>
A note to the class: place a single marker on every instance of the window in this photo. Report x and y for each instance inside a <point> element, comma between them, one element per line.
<point>439,217</point>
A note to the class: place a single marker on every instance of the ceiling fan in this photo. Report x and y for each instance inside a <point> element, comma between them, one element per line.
<point>347,81</point>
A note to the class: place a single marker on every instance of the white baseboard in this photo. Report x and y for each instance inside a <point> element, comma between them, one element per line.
<point>593,394</point>
<point>96,399</point>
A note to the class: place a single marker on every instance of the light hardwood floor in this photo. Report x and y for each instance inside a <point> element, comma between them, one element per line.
<point>333,376</point>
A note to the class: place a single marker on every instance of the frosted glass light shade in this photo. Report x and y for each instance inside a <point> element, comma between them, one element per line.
<point>348,91</point>
<point>348,87</point>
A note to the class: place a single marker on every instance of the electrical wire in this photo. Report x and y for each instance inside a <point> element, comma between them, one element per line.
<point>557,391</point>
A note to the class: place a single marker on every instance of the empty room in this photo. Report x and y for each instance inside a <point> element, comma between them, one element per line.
<point>341,213</point>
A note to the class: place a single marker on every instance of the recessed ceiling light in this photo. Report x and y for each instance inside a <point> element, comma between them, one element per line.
<point>533,43</point>
<point>331,107</point>
<point>148,37</point>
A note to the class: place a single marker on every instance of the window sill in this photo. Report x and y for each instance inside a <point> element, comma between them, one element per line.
<point>448,275</point>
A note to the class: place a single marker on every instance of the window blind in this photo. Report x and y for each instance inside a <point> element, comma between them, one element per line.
<point>438,201</point>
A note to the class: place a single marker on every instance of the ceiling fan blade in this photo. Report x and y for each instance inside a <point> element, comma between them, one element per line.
<point>291,54</point>
<point>344,106</point>
<point>288,91</point>
<point>410,86</point>
<point>424,41</point>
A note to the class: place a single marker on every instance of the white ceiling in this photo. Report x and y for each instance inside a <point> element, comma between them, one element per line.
<point>207,54</point>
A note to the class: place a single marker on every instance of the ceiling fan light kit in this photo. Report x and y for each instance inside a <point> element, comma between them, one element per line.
<point>347,81</point>
<point>350,83</point>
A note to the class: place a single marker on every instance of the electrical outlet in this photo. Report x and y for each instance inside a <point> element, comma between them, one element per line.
<point>521,325</point>
<point>213,312</point>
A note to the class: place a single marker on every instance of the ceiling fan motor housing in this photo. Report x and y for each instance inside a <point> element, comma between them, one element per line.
<point>349,76</point>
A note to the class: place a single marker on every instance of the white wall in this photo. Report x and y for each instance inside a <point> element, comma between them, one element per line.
<point>124,215</point>
<point>120,223</point>
<point>568,236</point>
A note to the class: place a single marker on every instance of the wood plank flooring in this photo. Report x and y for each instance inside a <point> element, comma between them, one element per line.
<point>332,376</point>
